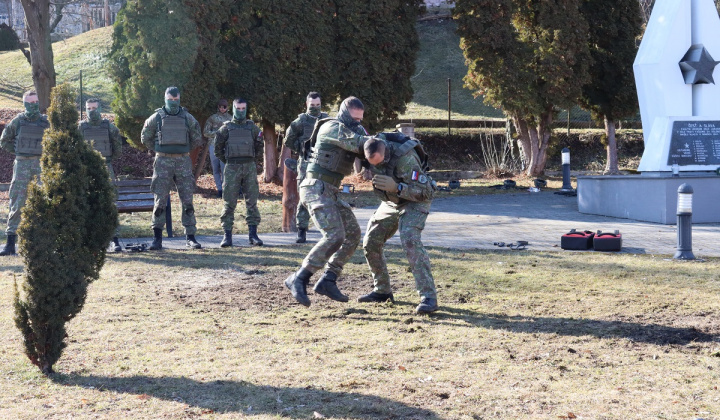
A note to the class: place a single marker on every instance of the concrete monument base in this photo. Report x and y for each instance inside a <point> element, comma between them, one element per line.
<point>649,197</point>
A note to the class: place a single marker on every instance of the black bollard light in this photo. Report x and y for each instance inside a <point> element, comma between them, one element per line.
<point>567,186</point>
<point>684,223</point>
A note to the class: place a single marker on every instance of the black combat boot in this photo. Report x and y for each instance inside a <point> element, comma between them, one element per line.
<point>297,283</point>
<point>227,239</point>
<point>9,248</point>
<point>190,242</point>
<point>157,240</point>
<point>116,244</point>
<point>301,236</point>
<point>219,193</point>
<point>252,236</point>
<point>376,297</point>
<point>327,286</point>
<point>427,306</point>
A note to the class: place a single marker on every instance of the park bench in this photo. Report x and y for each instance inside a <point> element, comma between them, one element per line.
<point>134,196</point>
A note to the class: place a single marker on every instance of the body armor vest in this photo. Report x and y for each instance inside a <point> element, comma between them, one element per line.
<point>240,143</point>
<point>329,159</point>
<point>29,137</point>
<point>397,148</point>
<point>99,136</point>
<point>173,131</point>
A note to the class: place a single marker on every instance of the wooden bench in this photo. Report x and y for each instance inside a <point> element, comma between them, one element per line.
<point>135,196</point>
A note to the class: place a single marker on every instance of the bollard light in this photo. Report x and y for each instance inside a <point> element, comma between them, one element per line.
<point>567,186</point>
<point>684,223</point>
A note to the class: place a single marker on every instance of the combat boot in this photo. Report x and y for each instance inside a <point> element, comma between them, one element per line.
<point>376,297</point>
<point>190,242</point>
<point>252,236</point>
<point>227,239</point>
<point>116,244</point>
<point>297,283</point>
<point>157,240</point>
<point>301,236</point>
<point>327,286</point>
<point>427,305</point>
<point>9,248</point>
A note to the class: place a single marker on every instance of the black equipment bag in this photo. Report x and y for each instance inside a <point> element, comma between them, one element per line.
<point>574,240</point>
<point>606,241</point>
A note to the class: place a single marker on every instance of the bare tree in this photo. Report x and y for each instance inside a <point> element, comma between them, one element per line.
<point>37,18</point>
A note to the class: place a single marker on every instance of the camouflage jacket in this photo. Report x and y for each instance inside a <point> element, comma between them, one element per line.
<point>417,185</point>
<point>115,137</point>
<point>213,124</point>
<point>221,138</point>
<point>295,133</point>
<point>149,135</point>
<point>10,133</point>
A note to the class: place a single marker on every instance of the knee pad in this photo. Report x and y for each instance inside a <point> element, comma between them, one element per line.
<point>190,210</point>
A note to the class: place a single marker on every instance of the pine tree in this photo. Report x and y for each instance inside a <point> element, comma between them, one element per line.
<point>68,220</point>
<point>611,94</point>
<point>527,58</point>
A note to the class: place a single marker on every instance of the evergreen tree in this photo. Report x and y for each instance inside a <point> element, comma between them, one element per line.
<point>155,45</point>
<point>8,38</point>
<point>611,94</point>
<point>69,218</point>
<point>527,58</point>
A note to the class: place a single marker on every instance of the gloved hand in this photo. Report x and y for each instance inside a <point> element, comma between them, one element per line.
<point>385,183</point>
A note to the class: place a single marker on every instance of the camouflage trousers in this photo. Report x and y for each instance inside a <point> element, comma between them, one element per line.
<point>382,226</point>
<point>337,223</point>
<point>302,217</point>
<point>167,171</point>
<point>235,176</point>
<point>24,170</point>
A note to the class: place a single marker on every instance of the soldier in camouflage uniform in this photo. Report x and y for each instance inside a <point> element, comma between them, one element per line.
<point>172,132</point>
<point>237,145</point>
<point>211,127</point>
<point>23,138</point>
<point>336,142</point>
<point>105,138</point>
<point>297,134</point>
<point>399,165</point>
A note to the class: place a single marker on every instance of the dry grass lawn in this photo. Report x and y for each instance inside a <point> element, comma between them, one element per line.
<point>213,334</point>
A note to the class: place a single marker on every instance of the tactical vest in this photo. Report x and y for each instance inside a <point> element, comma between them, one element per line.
<point>328,159</point>
<point>29,137</point>
<point>99,136</point>
<point>397,148</point>
<point>240,142</point>
<point>173,131</point>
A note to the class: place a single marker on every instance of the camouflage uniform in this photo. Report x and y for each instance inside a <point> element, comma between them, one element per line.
<point>109,145</point>
<point>23,138</point>
<point>211,127</point>
<point>296,135</point>
<point>237,145</point>
<point>320,195</point>
<point>172,164</point>
<point>407,209</point>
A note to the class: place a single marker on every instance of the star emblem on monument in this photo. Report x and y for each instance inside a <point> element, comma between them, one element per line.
<point>697,66</point>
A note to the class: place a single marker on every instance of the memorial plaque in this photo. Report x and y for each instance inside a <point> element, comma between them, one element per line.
<point>695,143</point>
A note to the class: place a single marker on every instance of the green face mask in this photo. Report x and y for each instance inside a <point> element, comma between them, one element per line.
<point>32,110</point>
<point>172,106</point>
<point>94,115</point>
<point>314,111</point>
<point>239,114</point>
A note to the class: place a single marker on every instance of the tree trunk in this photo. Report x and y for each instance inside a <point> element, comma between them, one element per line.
<point>37,16</point>
<point>284,154</point>
<point>271,153</point>
<point>203,158</point>
<point>106,10</point>
<point>612,157</point>
<point>521,126</point>
<point>290,198</point>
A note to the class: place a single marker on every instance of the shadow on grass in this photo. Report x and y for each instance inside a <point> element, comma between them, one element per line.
<point>211,259</point>
<point>647,333</point>
<point>251,399</point>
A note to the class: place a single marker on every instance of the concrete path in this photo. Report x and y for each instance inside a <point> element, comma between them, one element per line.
<point>476,222</point>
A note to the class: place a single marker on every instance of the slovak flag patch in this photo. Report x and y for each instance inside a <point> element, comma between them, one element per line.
<point>415,175</point>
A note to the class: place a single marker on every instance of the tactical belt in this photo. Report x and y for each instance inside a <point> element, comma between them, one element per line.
<point>325,178</point>
<point>172,154</point>
<point>26,157</point>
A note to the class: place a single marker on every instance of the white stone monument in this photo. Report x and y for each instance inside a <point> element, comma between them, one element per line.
<point>675,74</point>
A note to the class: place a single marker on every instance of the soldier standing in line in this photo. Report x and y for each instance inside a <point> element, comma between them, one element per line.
<point>336,142</point>
<point>401,181</point>
<point>172,132</point>
<point>105,138</point>
<point>238,144</point>
<point>211,127</point>
<point>297,134</point>
<point>23,138</point>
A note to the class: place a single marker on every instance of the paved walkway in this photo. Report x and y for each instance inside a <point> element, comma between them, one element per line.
<point>475,222</point>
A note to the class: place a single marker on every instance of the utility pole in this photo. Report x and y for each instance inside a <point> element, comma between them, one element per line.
<point>106,10</point>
